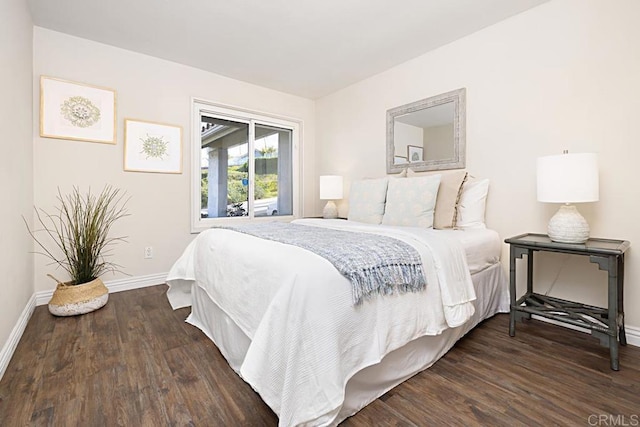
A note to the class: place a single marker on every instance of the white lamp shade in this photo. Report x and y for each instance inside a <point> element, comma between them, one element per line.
<point>330,187</point>
<point>568,178</point>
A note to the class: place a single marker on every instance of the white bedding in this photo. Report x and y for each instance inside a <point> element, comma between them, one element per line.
<point>306,339</point>
<point>482,246</point>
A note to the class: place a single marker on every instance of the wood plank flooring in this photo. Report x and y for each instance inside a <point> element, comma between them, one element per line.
<point>135,362</point>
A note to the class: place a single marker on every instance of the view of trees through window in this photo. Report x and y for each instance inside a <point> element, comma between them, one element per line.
<point>231,178</point>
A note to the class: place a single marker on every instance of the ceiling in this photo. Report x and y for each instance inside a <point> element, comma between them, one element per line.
<point>309,48</point>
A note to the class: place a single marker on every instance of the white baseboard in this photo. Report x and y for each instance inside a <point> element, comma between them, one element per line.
<point>118,285</point>
<point>43,297</point>
<point>633,333</point>
<point>14,337</point>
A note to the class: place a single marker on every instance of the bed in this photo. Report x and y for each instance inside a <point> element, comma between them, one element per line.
<point>285,318</point>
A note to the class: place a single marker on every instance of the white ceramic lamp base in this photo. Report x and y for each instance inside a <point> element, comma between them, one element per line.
<point>568,226</point>
<point>330,210</point>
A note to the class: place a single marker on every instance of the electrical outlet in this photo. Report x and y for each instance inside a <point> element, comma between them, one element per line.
<point>148,252</point>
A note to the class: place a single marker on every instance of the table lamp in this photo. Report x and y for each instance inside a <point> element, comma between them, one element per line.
<point>568,178</point>
<point>330,189</point>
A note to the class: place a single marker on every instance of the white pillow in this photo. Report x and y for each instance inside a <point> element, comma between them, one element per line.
<point>367,199</point>
<point>473,202</point>
<point>449,192</point>
<point>410,202</point>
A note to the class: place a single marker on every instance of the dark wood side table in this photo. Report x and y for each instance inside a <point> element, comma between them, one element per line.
<point>605,323</point>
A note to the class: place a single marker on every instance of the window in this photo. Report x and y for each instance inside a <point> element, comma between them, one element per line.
<point>245,165</point>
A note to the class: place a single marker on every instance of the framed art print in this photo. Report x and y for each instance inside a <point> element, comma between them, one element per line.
<point>415,153</point>
<point>70,110</point>
<point>152,147</point>
<point>400,160</point>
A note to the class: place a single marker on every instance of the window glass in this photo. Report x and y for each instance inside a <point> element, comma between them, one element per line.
<point>224,174</point>
<point>272,165</point>
<point>246,166</point>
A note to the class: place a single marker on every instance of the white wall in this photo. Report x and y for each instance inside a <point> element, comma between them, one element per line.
<point>564,75</point>
<point>16,163</point>
<point>151,89</point>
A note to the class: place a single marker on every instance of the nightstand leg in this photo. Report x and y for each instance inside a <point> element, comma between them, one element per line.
<point>512,291</point>
<point>613,353</point>
<point>529,272</point>
<point>614,295</point>
<point>621,331</point>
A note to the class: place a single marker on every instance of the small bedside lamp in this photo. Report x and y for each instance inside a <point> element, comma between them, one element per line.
<point>330,189</point>
<point>568,178</point>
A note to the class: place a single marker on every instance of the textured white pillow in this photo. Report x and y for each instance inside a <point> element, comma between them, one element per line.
<point>449,192</point>
<point>367,199</point>
<point>473,202</point>
<point>410,202</point>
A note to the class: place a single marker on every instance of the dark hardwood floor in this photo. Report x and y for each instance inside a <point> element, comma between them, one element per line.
<point>136,363</point>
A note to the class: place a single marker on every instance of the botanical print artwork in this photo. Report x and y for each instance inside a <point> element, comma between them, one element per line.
<point>80,111</point>
<point>414,153</point>
<point>154,146</point>
<point>77,111</point>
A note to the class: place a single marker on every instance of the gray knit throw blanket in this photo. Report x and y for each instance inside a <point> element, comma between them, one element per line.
<point>375,265</point>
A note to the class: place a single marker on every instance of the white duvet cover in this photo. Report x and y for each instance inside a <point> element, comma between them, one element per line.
<point>307,339</point>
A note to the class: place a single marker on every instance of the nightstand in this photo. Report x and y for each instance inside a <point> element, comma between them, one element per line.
<point>605,323</point>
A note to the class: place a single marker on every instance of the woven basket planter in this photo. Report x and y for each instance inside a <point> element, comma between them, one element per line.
<point>70,300</point>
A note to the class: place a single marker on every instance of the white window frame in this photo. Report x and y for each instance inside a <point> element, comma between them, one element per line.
<point>199,106</point>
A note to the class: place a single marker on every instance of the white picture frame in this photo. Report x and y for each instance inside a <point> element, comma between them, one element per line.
<point>415,153</point>
<point>400,160</point>
<point>152,147</point>
<point>77,111</point>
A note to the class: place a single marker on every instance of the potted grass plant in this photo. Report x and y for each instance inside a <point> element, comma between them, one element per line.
<point>79,240</point>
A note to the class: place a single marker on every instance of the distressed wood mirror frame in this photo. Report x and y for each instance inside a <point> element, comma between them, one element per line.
<point>452,105</point>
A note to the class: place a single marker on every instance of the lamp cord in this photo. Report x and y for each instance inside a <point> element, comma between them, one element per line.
<point>564,264</point>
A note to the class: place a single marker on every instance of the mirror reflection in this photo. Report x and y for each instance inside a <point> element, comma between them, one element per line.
<point>427,134</point>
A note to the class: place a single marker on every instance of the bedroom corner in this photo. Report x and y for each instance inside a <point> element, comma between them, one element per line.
<point>529,94</point>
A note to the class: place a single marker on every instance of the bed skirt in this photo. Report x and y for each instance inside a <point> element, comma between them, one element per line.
<point>373,381</point>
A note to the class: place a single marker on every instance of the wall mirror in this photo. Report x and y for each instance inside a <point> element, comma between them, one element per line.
<point>428,134</point>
